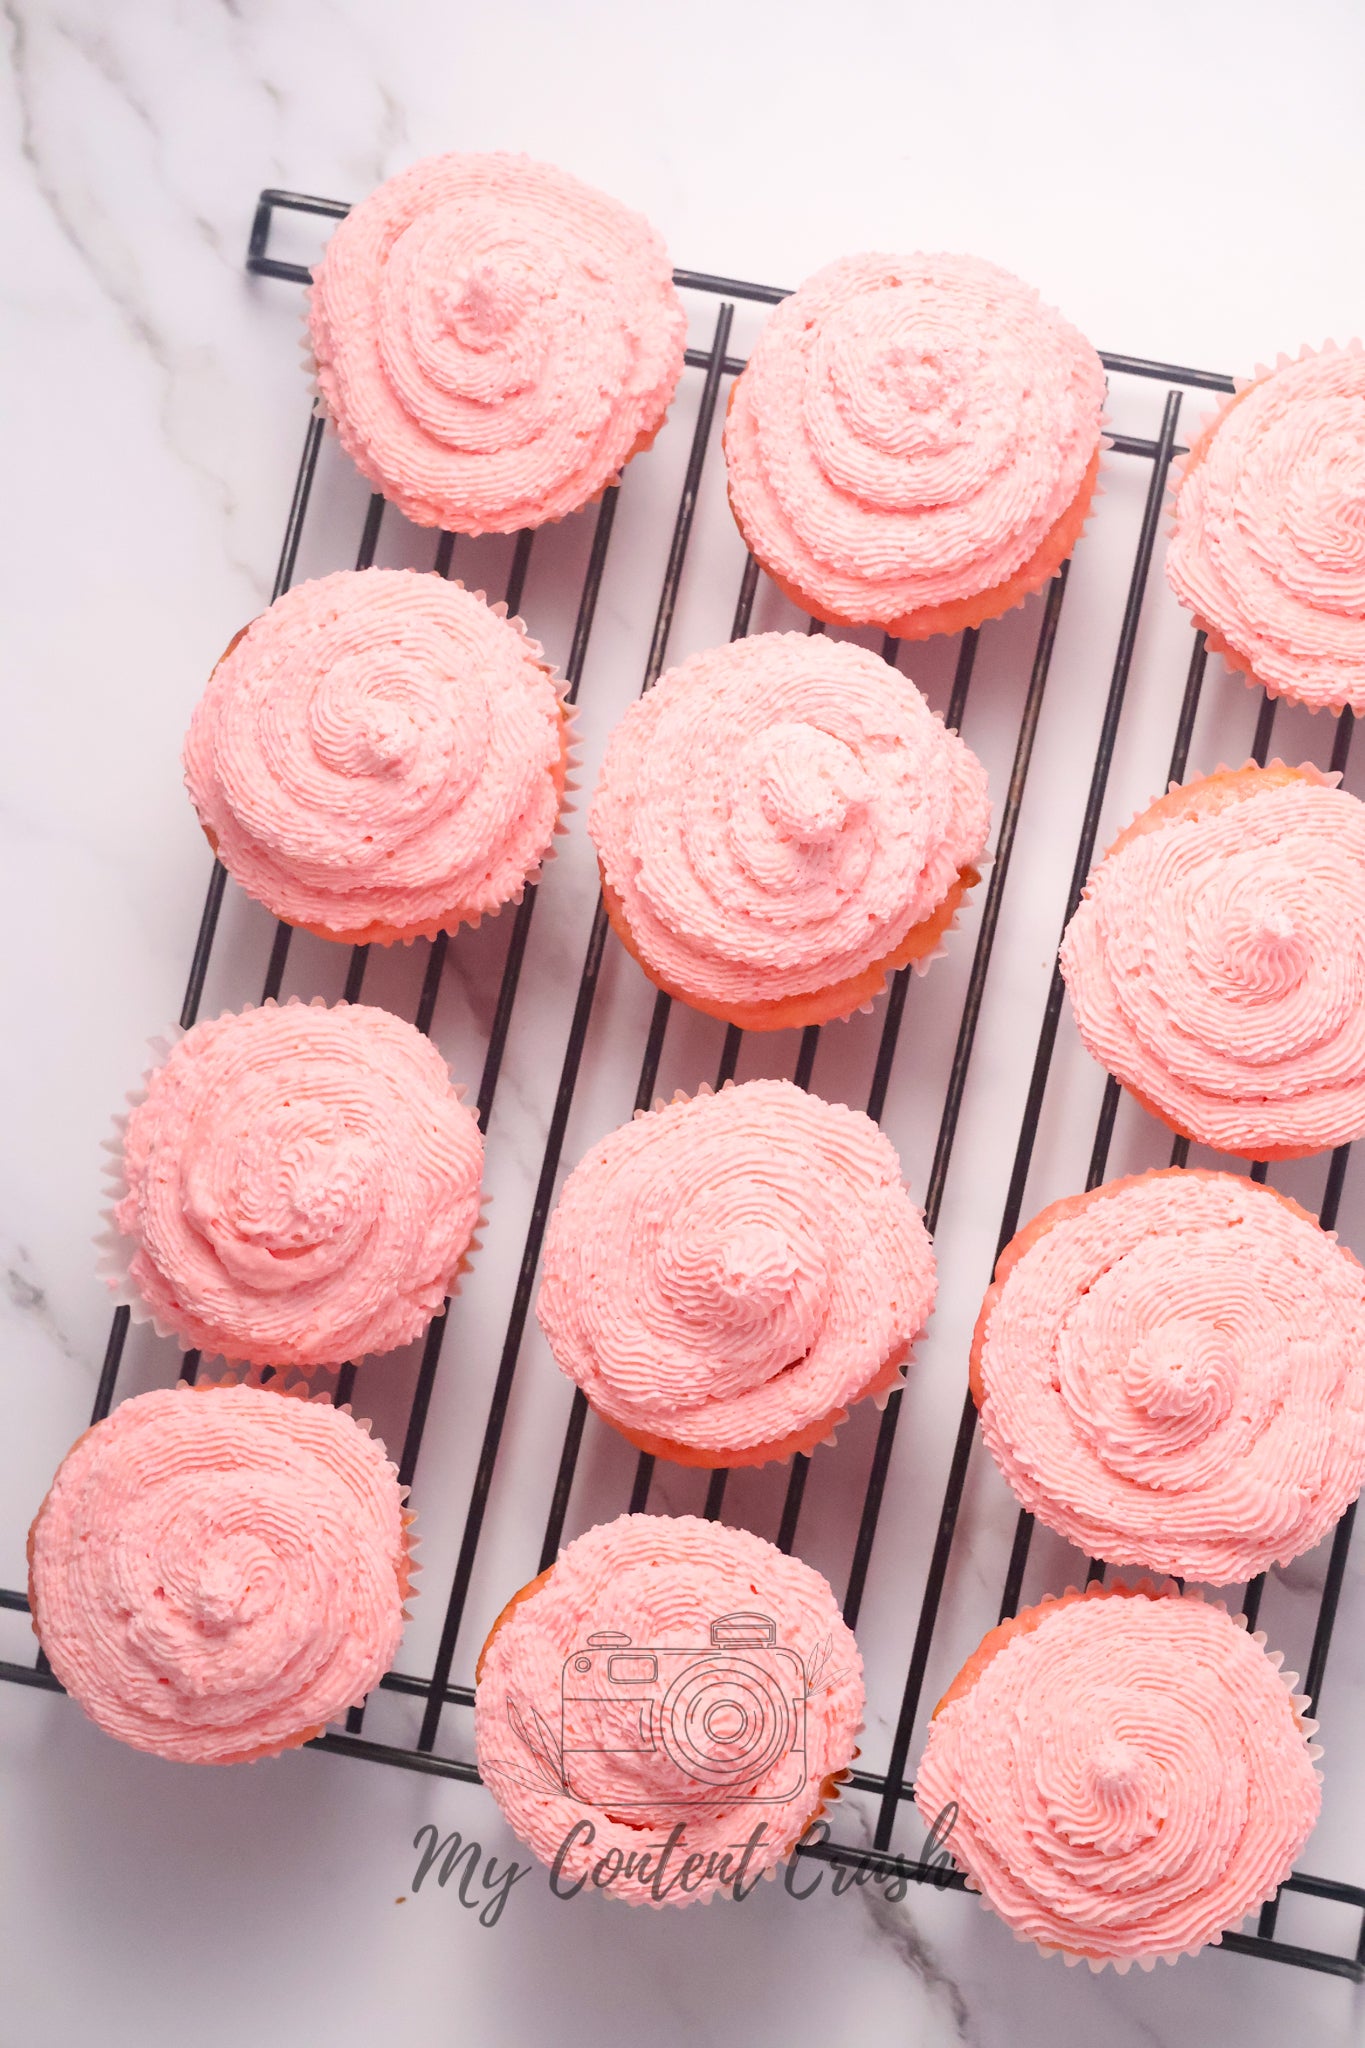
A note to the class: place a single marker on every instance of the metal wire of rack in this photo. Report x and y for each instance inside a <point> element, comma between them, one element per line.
<point>437,1691</point>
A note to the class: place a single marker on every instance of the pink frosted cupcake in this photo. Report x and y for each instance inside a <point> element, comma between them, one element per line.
<point>380,756</point>
<point>1268,547</point>
<point>1127,1774</point>
<point>1171,1373</point>
<point>725,1277</point>
<point>218,1572</point>
<point>781,823</point>
<point>914,443</point>
<point>298,1186</point>
<point>1214,961</point>
<point>665,1711</point>
<point>494,341</point>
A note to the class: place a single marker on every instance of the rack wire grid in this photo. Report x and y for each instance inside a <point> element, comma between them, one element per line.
<point>877,1796</point>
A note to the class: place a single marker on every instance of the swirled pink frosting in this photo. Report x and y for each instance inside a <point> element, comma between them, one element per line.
<point>1216,965</point>
<point>1268,548</point>
<point>302,1185</point>
<point>725,1271</point>
<point>1172,1374</point>
<point>493,339</point>
<point>380,746</point>
<point>220,1571</point>
<point>722,1743</point>
<point>776,814</point>
<point>1130,1776</point>
<point>907,432</point>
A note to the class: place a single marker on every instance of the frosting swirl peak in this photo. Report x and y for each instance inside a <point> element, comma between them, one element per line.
<point>380,755</point>
<point>301,1185</point>
<point>1268,546</point>
<point>1129,1773</point>
<point>908,432</point>
<point>1171,1373</point>
<point>494,340</point>
<point>729,1272</point>
<point>218,1572</point>
<point>777,814</point>
<point>1216,963</point>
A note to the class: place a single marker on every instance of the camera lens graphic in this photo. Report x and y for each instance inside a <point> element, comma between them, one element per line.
<point>725,1720</point>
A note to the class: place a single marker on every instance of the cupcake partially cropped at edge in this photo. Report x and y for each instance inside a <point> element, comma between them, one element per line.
<point>1213,963</point>
<point>298,1185</point>
<point>493,340</point>
<point>1268,540</point>
<point>380,756</point>
<point>1170,1372</point>
<point>219,1571</point>
<point>1127,1774</point>
<point>781,823</point>
<point>725,1276</point>
<point>914,443</point>
<point>664,1712</point>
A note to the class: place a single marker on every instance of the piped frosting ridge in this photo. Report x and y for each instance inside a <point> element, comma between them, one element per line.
<point>218,1572</point>
<point>908,431</point>
<point>1129,1775</point>
<point>1268,545</point>
<point>300,1185</point>
<point>493,340</point>
<point>1171,1373</point>
<point>553,1725</point>
<point>776,814</point>
<point>379,748</point>
<point>726,1271</point>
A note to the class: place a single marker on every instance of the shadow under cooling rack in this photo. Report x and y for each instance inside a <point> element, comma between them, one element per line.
<point>436,1691</point>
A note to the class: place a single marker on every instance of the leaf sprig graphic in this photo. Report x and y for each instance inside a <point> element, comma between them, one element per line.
<point>815,1669</point>
<point>540,1740</point>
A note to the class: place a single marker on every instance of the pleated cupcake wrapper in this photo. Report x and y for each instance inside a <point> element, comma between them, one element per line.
<point>1170,1589</point>
<point>1205,427</point>
<point>921,965</point>
<point>115,1250</point>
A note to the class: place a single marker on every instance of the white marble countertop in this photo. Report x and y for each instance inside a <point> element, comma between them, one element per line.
<point>1186,188</point>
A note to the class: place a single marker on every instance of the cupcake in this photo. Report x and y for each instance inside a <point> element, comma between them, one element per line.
<point>1171,1373</point>
<point>781,823</point>
<point>298,1186</point>
<point>1128,1774</point>
<point>1214,961</point>
<point>665,1711</point>
<point>1268,546</point>
<point>914,443</point>
<point>493,341</point>
<point>218,1572</point>
<point>379,756</point>
<point>725,1276</point>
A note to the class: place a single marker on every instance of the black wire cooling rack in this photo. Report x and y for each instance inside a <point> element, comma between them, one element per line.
<point>887,1789</point>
